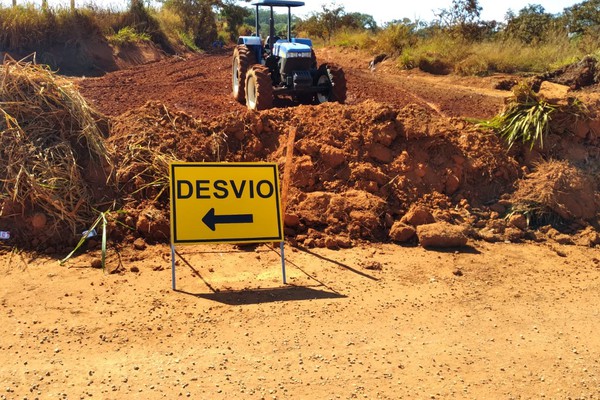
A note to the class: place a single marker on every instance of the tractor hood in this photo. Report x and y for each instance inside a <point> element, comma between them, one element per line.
<point>291,50</point>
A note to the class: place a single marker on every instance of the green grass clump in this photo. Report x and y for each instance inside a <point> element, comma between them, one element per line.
<point>526,118</point>
<point>188,41</point>
<point>127,35</point>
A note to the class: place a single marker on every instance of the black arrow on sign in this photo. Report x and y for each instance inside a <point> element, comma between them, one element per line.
<point>210,219</point>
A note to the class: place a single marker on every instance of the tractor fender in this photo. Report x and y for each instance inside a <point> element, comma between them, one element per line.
<point>249,40</point>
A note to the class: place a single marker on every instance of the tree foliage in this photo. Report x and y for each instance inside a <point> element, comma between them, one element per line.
<point>462,19</point>
<point>583,17</point>
<point>531,25</point>
<point>198,19</point>
<point>332,18</point>
<point>234,16</point>
<point>461,12</point>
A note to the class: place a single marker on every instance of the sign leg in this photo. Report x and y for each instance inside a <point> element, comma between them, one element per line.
<point>282,262</point>
<point>173,265</point>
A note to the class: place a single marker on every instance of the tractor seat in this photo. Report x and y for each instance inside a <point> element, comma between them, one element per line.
<point>276,38</point>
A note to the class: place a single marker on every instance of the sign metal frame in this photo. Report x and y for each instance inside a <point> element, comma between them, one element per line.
<point>211,218</point>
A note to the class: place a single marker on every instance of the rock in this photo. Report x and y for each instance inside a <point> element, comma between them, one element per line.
<point>581,129</point>
<point>418,215</point>
<point>96,263</point>
<point>518,221</point>
<point>384,134</point>
<point>553,92</point>
<point>589,237</point>
<point>489,235</point>
<point>401,233</point>
<point>513,234</point>
<point>374,266</point>
<point>303,172</point>
<point>39,220</point>
<point>441,234</point>
<point>380,153</point>
<point>452,184</point>
<point>139,244</point>
<point>291,220</point>
<point>332,156</point>
<point>153,224</point>
<point>563,239</point>
<point>331,243</point>
<point>498,208</point>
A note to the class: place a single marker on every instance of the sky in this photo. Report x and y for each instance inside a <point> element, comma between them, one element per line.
<point>386,10</point>
<point>382,10</point>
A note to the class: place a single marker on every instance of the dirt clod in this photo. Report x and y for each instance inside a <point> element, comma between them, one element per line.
<point>441,234</point>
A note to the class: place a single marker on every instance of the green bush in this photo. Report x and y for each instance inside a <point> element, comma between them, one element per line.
<point>127,36</point>
<point>354,39</point>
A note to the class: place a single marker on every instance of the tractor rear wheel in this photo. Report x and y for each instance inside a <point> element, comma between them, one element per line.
<point>243,58</point>
<point>333,80</point>
<point>259,88</point>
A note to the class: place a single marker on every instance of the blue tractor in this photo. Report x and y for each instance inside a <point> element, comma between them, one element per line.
<point>282,67</point>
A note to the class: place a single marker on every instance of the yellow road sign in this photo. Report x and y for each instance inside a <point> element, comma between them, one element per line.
<point>225,202</point>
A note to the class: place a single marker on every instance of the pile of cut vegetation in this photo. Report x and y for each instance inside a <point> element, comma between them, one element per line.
<point>54,164</point>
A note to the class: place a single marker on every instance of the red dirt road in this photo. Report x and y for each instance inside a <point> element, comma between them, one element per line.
<point>377,321</point>
<point>200,85</point>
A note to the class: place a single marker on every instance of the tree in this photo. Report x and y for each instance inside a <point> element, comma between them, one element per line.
<point>331,19</point>
<point>198,19</point>
<point>313,27</point>
<point>462,18</point>
<point>359,21</point>
<point>462,12</point>
<point>234,15</point>
<point>583,17</point>
<point>531,25</point>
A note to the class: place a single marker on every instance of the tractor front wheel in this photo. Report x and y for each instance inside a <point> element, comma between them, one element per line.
<point>332,80</point>
<point>259,88</point>
<point>243,58</point>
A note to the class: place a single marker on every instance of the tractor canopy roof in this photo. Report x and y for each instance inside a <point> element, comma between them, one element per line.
<point>278,3</point>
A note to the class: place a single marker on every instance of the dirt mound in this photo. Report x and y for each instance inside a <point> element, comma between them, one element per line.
<point>90,55</point>
<point>577,75</point>
<point>356,169</point>
<point>359,171</point>
<point>559,188</point>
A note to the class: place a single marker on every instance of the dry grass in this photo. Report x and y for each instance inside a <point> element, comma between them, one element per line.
<point>557,188</point>
<point>48,136</point>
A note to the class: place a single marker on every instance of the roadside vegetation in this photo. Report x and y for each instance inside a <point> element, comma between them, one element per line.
<point>529,40</point>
